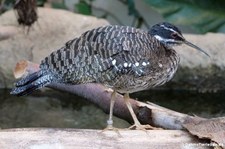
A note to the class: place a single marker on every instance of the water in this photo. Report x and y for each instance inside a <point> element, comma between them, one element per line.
<point>58,110</point>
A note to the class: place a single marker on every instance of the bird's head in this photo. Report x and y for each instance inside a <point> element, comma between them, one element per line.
<point>169,35</point>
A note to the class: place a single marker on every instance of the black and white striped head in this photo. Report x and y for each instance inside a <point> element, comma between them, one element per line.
<point>169,35</point>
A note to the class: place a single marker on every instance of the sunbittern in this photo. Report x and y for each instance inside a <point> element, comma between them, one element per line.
<point>123,58</point>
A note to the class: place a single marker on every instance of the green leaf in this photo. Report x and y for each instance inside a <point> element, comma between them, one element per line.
<point>83,8</point>
<point>202,15</point>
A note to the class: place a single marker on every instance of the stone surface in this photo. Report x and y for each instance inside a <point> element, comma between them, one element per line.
<point>55,27</point>
<point>197,71</point>
<point>213,44</point>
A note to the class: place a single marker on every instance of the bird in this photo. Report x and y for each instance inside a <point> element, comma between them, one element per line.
<point>123,58</point>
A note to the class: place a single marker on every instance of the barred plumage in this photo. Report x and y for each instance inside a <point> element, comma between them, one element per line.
<point>90,58</point>
<point>123,58</point>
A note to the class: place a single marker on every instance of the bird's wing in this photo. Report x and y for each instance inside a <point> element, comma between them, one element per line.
<point>119,48</point>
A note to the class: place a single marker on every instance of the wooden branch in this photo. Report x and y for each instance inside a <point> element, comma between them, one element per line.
<point>89,139</point>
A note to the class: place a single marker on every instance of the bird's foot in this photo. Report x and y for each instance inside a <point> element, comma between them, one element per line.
<point>143,127</point>
<point>111,128</point>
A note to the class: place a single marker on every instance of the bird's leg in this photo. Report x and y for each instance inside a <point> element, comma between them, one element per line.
<point>110,120</point>
<point>126,98</point>
<point>136,124</point>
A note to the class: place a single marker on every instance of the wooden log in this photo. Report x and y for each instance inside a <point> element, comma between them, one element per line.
<point>77,138</point>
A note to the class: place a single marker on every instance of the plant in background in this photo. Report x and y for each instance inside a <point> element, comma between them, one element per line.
<point>84,7</point>
<point>139,20</point>
<point>203,15</point>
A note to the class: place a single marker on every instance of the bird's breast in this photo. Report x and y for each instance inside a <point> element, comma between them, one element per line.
<point>147,74</point>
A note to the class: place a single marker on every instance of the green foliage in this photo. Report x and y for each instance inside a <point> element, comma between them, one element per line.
<point>202,15</point>
<point>138,19</point>
<point>83,7</point>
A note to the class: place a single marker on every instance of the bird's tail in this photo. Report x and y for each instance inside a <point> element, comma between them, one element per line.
<point>31,82</point>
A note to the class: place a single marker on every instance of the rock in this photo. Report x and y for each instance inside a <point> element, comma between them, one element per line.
<point>53,29</point>
<point>197,71</point>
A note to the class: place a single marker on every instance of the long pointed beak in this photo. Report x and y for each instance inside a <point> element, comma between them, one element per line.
<point>197,48</point>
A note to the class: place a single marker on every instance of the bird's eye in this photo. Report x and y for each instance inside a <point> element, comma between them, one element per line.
<point>174,35</point>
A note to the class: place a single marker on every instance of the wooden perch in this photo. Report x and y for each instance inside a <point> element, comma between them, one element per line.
<point>147,113</point>
<point>89,139</point>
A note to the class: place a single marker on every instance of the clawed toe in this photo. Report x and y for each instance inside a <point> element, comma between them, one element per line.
<point>142,127</point>
<point>111,128</point>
